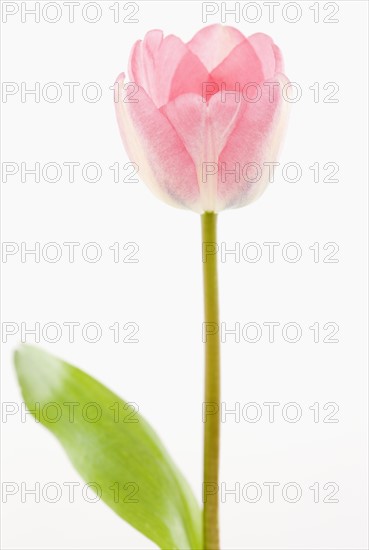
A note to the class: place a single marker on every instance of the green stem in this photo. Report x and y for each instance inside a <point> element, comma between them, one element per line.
<point>212,383</point>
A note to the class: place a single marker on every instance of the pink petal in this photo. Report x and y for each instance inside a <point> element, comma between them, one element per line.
<point>204,129</point>
<point>189,77</point>
<point>268,54</point>
<point>279,63</point>
<point>142,59</point>
<point>152,143</point>
<point>240,67</point>
<point>255,139</point>
<point>154,63</point>
<point>212,44</point>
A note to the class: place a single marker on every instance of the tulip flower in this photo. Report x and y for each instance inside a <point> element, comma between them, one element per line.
<point>201,123</point>
<point>204,116</point>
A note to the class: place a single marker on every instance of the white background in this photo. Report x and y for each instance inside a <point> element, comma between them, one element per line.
<point>162,293</point>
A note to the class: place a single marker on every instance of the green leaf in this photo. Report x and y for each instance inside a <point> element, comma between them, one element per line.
<point>118,453</point>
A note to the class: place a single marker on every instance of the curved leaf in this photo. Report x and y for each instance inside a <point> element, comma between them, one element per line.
<point>112,447</point>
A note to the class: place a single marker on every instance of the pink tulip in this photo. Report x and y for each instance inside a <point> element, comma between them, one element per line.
<point>203,117</point>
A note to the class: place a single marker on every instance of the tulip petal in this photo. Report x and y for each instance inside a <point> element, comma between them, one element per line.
<point>255,139</point>
<point>157,62</point>
<point>268,54</point>
<point>242,66</point>
<point>212,44</point>
<point>152,142</point>
<point>142,60</point>
<point>190,76</point>
<point>204,128</point>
